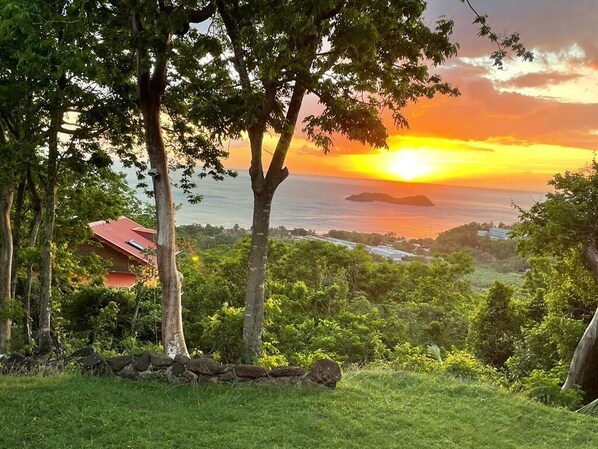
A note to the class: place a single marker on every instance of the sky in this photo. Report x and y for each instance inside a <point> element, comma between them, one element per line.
<point>510,129</point>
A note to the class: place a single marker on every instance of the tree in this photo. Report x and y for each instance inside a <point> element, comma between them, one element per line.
<point>356,57</point>
<point>20,133</point>
<point>494,326</point>
<point>568,221</point>
<point>164,43</point>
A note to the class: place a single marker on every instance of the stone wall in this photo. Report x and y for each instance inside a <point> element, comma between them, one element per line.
<point>187,371</point>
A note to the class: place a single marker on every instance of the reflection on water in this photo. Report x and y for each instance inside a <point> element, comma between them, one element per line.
<point>319,203</point>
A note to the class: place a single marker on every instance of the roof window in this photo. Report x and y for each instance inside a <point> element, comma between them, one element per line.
<point>137,245</point>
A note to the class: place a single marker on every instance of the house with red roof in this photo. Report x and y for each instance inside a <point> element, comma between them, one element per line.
<point>128,246</point>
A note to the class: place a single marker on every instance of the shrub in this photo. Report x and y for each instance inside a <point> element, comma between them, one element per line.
<point>414,358</point>
<point>463,365</point>
<point>545,387</point>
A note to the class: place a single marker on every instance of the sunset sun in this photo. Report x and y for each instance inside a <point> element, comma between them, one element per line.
<point>408,165</point>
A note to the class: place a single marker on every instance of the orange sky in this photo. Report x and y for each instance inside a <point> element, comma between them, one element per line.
<point>510,129</point>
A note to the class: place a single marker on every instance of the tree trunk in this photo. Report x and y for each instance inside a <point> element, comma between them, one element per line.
<point>46,253</point>
<point>6,249</point>
<point>34,231</point>
<point>173,338</point>
<point>253,323</point>
<point>583,371</point>
<point>16,241</point>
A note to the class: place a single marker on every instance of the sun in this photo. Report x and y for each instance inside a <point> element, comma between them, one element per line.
<point>409,165</point>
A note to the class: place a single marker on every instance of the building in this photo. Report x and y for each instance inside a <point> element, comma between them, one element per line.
<point>495,233</point>
<point>128,246</point>
<point>499,233</point>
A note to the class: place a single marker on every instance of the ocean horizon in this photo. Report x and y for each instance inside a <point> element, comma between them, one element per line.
<point>318,203</point>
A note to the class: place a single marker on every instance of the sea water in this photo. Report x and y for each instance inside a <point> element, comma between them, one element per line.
<point>319,204</point>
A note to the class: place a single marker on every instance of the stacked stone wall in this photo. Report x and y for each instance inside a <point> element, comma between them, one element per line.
<point>187,371</point>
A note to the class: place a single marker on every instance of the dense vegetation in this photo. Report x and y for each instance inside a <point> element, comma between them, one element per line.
<point>325,300</point>
<point>368,409</point>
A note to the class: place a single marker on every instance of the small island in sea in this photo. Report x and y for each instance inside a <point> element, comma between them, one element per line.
<point>367,197</point>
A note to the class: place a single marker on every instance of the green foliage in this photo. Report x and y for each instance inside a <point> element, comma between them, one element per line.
<point>500,255</point>
<point>567,219</point>
<point>545,387</point>
<point>495,326</point>
<point>100,313</point>
<point>414,359</point>
<point>372,239</point>
<point>465,366</point>
<point>323,300</point>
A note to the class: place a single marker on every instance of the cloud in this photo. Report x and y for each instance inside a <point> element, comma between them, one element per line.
<point>541,79</point>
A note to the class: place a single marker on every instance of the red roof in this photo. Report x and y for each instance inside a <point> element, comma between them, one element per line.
<point>123,235</point>
<point>120,280</point>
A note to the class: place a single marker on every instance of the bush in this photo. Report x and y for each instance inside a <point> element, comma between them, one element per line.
<point>414,358</point>
<point>463,365</point>
<point>99,313</point>
<point>545,387</point>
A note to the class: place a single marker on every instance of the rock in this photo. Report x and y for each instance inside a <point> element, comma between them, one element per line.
<point>161,376</point>
<point>118,363</point>
<point>83,352</point>
<point>102,369</point>
<point>205,365</point>
<point>287,371</point>
<point>141,362</point>
<point>250,371</point>
<point>325,372</point>
<point>190,377</point>
<point>226,377</point>
<point>129,372</point>
<point>181,358</point>
<point>90,361</point>
<point>160,361</point>
<point>177,369</point>
<point>291,380</point>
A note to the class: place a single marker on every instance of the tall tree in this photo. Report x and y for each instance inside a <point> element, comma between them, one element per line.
<point>356,57</point>
<point>163,35</point>
<point>568,221</point>
<point>20,134</point>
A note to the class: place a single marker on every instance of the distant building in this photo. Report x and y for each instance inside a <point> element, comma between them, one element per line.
<point>128,246</point>
<point>495,233</point>
<point>499,233</point>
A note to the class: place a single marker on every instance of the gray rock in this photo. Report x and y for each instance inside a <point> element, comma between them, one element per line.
<point>190,377</point>
<point>226,377</point>
<point>287,371</point>
<point>83,352</point>
<point>250,371</point>
<point>181,358</point>
<point>141,362</point>
<point>205,365</point>
<point>325,372</point>
<point>102,369</point>
<point>160,361</point>
<point>90,361</point>
<point>284,381</point>
<point>118,363</point>
<point>129,372</point>
<point>177,369</point>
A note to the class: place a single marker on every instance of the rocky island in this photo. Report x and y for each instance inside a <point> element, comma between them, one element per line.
<point>367,197</point>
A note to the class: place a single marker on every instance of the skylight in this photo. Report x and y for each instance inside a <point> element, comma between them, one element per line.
<point>137,245</point>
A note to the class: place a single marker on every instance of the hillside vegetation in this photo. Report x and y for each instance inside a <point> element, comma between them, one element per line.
<point>370,409</point>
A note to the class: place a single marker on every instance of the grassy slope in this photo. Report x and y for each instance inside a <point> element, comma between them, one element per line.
<point>368,410</point>
<point>483,277</point>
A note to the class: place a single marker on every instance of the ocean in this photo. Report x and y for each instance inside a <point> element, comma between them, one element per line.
<point>318,203</point>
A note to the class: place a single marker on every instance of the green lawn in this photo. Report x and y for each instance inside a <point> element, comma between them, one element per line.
<point>370,409</point>
<point>483,277</point>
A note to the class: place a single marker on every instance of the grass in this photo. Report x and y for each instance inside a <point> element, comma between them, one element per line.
<point>483,277</point>
<point>369,409</point>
